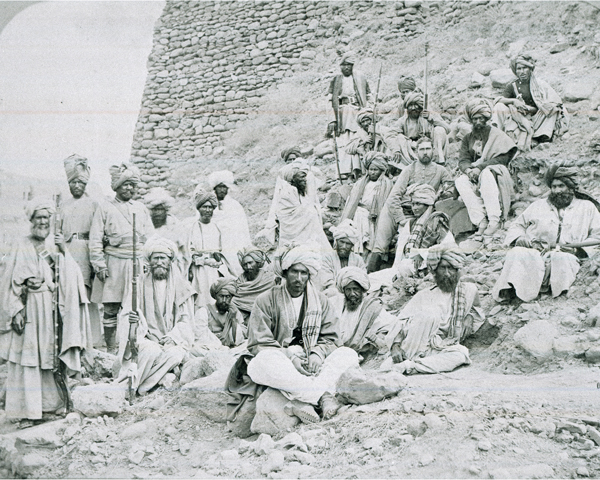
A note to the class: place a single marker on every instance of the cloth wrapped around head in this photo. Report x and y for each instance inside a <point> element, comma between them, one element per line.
<point>407,83</point>
<point>77,168</point>
<point>201,196</point>
<point>158,196</point>
<point>451,254</point>
<point>364,113</point>
<point>414,98</point>
<point>225,285</point>
<point>288,172</point>
<point>422,193</point>
<point>157,244</point>
<point>37,204</point>
<point>352,274</point>
<point>377,159</point>
<point>224,177</point>
<point>345,230</point>
<point>522,59</point>
<point>559,171</point>
<point>348,57</point>
<point>478,106</point>
<point>297,254</point>
<point>290,151</point>
<point>119,174</point>
<point>257,255</point>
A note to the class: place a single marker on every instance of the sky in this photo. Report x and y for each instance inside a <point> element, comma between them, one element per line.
<point>73,74</point>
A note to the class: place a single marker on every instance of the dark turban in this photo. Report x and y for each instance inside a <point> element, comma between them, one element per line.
<point>290,151</point>
<point>438,253</point>
<point>376,159</point>
<point>406,83</point>
<point>257,255</point>
<point>226,285</point>
<point>478,106</point>
<point>567,175</point>
<point>523,59</point>
<point>414,98</point>
<point>201,196</point>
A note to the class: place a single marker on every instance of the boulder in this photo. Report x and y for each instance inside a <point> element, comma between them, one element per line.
<point>537,338</point>
<point>528,471</point>
<point>324,148</point>
<point>578,91</point>
<point>270,417</point>
<point>485,69</point>
<point>100,399</point>
<point>559,47</point>
<point>501,77</point>
<point>98,363</point>
<point>192,370</point>
<point>208,395</point>
<point>477,80</point>
<point>593,354</point>
<point>216,360</point>
<point>357,387</point>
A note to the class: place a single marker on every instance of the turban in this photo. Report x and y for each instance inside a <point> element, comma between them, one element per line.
<point>225,285</point>
<point>119,174</point>
<point>77,168</point>
<point>297,254</point>
<point>40,203</point>
<point>290,151</point>
<point>201,196</point>
<point>345,230</point>
<point>414,98</point>
<point>376,159</point>
<point>257,255</point>
<point>365,112</point>
<point>293,168</point>
<point>158,196</point>
<point>438,253</point>
<point>407,83</point>
<point>422,193</point>
<point>352,274</point>
<point>158,244</point>
<point>478,106</point>
<point>523,59</point>
<point>224,177</point>
<point>567,175</point>
<point>348,57</point>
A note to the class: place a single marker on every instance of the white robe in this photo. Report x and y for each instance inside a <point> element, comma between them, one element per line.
<point>231,219</point>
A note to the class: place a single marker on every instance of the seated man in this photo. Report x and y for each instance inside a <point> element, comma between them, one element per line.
<point>344,239</point>
<point>392,214</point>
<point>530,108</point>
<point>223,318</point>
<point>483,158</point>
<point>419,234</point>
<point>406,85</point>
<point>364,322</point>
<point>164,319</point>
<point>416,123</point>
<point>254,281</point>
<point>547,239</point>
<point>366,200</point>
<point>293,335</point>
<point>436,320</point>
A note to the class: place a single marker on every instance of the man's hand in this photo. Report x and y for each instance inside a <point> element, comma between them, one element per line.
<point>566,249</point>
<point>314,364</point>
<point>152,337</point>
<point>102,275</point>
<point>523,241</point>
<point>167,341</point>
<point>59,241</point>
<point>473,174</point>
<point>396,352</point>
<point>297,361</point>
<point>33,283</point>
<point>134,317</point>
<point>18,323</point>
<point>397,158</point>
<point>425,114</point>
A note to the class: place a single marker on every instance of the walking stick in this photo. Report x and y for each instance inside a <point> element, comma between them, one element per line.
<point>132,337</point>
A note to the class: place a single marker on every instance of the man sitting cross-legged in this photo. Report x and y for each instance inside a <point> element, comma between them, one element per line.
<point>542,257</point>
<point>164,318</point>
<point>293,335</point>
<point>435,321</point>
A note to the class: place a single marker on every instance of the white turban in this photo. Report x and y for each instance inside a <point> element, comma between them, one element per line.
<point>39,203</point>
<point>157,244</point>
<point>346,230</point>
<point>77,168</point>
<point>224,177</point>
<point>352,274</point>
<point>119,174</point>
<point>288,172</point>
<point>297,254</point>
<point>158,196</point>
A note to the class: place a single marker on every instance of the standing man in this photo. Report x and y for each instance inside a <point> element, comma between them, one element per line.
<point>111,245</point>
<point>159,203</point>
<point>27,333</point>
<point>231,219</point>
<point>77,213</point>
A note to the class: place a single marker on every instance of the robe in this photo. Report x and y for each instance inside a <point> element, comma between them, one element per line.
<point>249,290</point>
<point>30,385</point>
<point>330,267</point>
<point>231,219</point>
<point>525,269</point>
<point>229,327</point>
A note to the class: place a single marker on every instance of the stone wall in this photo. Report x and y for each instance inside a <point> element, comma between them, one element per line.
<point>213,61</point>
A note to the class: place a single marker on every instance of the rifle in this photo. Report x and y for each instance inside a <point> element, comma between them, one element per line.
<point>374,122</point>
<point>58,367</point>
<point>335,152</point>
<point>426,72</point>
<point>132,337</point>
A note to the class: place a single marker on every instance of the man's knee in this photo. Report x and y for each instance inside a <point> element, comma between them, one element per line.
<point>343,355</point>
<point>264,360</point>
<point>463,182</point>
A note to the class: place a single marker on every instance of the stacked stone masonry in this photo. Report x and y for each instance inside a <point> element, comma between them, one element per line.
<point>212,61</point>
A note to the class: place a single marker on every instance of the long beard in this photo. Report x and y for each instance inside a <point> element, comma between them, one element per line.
<point>561,200</point>
<point>160,273</point>
<point>301,189</point>
<point>352,306</point>
<point>40,232</point>
<point>445,283</point>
